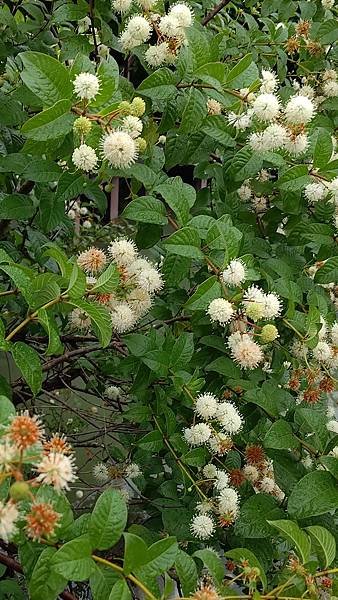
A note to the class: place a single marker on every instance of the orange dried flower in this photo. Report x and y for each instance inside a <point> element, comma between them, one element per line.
<point>326,582</point>
<point>41,521</point>
<point>292,45</point>
<point>311,395</point>
<point>103,298</point>
<point>294,384</point>
<point>25,431</point>
<point>226,520</point>
<point>314,48</point>
<point>303,28</point>
<point>230,565</point>
<point>237,477</point>
<point>327,385</point>
<point>206,593</point>
<point>92,260</point>
<point>254,454</point>
<point>57,443</point>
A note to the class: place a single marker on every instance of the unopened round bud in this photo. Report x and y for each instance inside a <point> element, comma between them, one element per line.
<point>94,409</point>
<point>269,333</point>
<point>138,107</point>
<point>254,310</point>
<point>142,144</point>
<point>82,126</point>
<point>125,107</point>
<point>108,187</point>
<point>19,490</point>
<point>79,494</point>
<point>162,139</point>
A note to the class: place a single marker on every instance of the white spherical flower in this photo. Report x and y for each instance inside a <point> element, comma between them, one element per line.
<point>206,405</point>
<point>119,149</point>
<point>78,319</point>
<point>267,485</point>
<point>123,251</point>
<point>229,417</point>
<point>241,121</point>
<point>170,26</point>
<point>86,86</point>
<point>244,192</point>
<point>299,110</point>
<point>202,527</point>
<point>253,294</point>
<point>332,426</point>
<point>269,82</point>
<point>79,494</point>
<point>266,107</point>
<point>147,5</point>
<point>204,507</point>
<point>8,455</point>
<point>213,107</point>
<point>87,224</point>
<point>322,352</point>
<point>197,434</point>
<point>307,90</point>
<point>132,125</point>
<point>100,473</point>
<point>150,280</point>
<point>251,473</point>
<point>139,28</point>
<point>133,471</point>
<point>183,13</point>
<point>122,317</point>
<point>272,306</point>
<point>121,6</point>
<point>84,158</point>
<point>258,142</point>
<point>139,301</point>
<point>297,144</point>
<point>275,136</point>
<point>210,471</point>
<point>157,55</point>
<point>222,480</point>
<point>112,392</point>
<point>334,452</point>
<point>128,42</point>
<point>228,501</point>
<point>328,4</point>
<point>314,192</point>
<point>235,273</point>
<point>220,443</point>
<point>9,514</point>
<point>330,89</point>
<point>247,354</point>
<point>137,266</point>
<point>56,469</point>
<point>329,74</point>
<point>220,311</point>
<point>334,334</point>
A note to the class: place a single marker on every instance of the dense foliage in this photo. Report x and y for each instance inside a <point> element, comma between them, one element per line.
<point>168,284</point>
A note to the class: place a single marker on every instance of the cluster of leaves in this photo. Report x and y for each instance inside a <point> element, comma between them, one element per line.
<point>180,203</point>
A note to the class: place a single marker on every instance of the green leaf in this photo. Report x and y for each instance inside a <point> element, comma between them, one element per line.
<point>46,77</point>
<point>327,32</point>
<point>205,293</point>
<point>187,572</point>
<point>213,563</point>
<point>294,178</point>
<point>70,186</point>
<point>160,85</point>
<point>16,206</point>
<point>161,557</point>
<point>73,560</point>
<point>100,319</point>
<point>146,210</point>
<point>182,351</point>
<point>48,323</point>
<point>135,552</point>
<point>315,494</point>
<point>120,591</point>
<point>331,464</point>
<point>255,514</point>
<point>280,436</point>
<point>292,532</point>
<point>52,210</point>
<point>239,554</point>
<point>38,170</point>
<point>51,123</point>
<point>328,273</point>
<point>45,583</point>
<point>28,361</point>
<point>324,543</point>
<point>101,582</point>
<point>242,74</point>
<point>70,12</point>
<point>185,242</point>
<point>224,366</point>
<point>108,520</point>
<point>194,112</point>
<point>77,282</point>
<point>20,277</point>
<point>216,127</point>
<point>60,258</point>
<point>7,409</point>
<point>109,74</point>
<point>322,150</point>
<point>179,196</point>
<point>108,280</point>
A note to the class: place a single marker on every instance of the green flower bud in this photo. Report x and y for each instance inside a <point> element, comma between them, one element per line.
<point>269,334</point>
<point>19,490</point>
<point>138,107</point>
<point>125,107</point>
<point>254,310</point>
<point>82,126</point>
<point>142,144</point>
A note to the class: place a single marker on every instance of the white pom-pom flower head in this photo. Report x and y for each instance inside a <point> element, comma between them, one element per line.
<point>235,273</point>
<point>86,86</point>
<point>183,13</point>
<point>132,125</point>
<point>123,251</point>
<point>206,406</point>
<point>84,158</point>
<point>220,311</point>
<point>299,110</point>
<point>119,149</point>
<point>266,107</point>
<point>202,527</point>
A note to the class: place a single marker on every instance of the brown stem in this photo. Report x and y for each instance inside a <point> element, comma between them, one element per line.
<point>214,11</point>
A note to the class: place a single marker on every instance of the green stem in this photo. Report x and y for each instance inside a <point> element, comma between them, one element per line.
<point>31,317</point>
<point>8,293</point>
<point>131,577</point>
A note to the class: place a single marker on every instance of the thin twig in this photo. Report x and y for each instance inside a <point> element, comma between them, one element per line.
<point>214,11</point>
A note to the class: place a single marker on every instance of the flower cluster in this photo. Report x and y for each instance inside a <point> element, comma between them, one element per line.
<point>79,213</point>
<point>139,281</point>
<point>51,461</point>
<point>169,29</point>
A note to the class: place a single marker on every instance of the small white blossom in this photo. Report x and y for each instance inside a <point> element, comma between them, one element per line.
<point>86,86</point>
<point>157,55</point>
<point>122,317</point>
<point>328,4</point>
<point>314,192</point>
<point>269,82</point>
<point>272,306</point>
<point>170,26</point>
<point>213,107</point>
<point>332,426</point>
<point>247,354</point>
<point>322,352</point>
<point>132,125</point>
<point>183,13</point>
<point>100,473</point>
<point>133,471</point>
<point>9,514</point>
<point>84,158</point>
<point>299,110</point>
<point>206,405</point>
<point>121,6</point>
<point>202,526</point>
<point>150,280</point>
<point>267,485</point>
<point>210,471</point>
<point>251,473</point>
<point>220,443</point>
<point>228,501</point>
<point>235,273</point>
<point>78,319</point>
<point>275,136</point>
<point>220,311</point>
<point>56,469</point>
<point>334,333</point>
<point>204,507</point>
<point>297,145</point>
<point>197,434</point>
<point>123,251</point>
<point>112,392</point>
<point>222,480</point>
<point>241,121</point>
<point>119,148</point>
<point>244,192</point>
<point>139,28</point>
<point>8,455</point>
<point>229,417</point>
<point>266,107</point>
